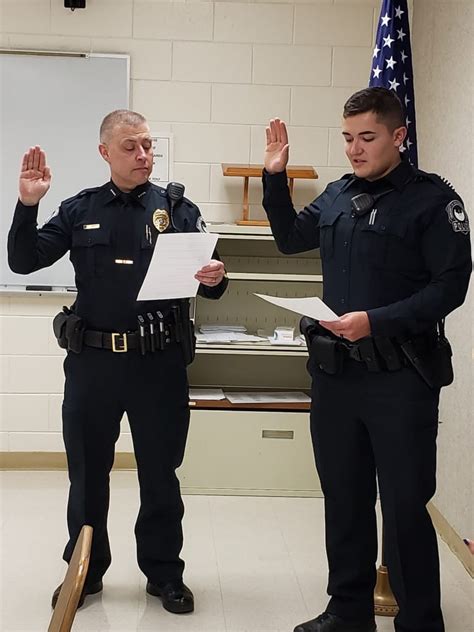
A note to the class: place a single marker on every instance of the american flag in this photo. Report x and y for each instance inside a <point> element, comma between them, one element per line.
<point>392,66</point>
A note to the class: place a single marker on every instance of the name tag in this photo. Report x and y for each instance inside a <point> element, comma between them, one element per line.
<point>124,261</point>
<point>90,226</point>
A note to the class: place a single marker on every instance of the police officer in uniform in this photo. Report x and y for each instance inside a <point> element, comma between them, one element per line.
<point>395,252</point>
<point>113,365</point>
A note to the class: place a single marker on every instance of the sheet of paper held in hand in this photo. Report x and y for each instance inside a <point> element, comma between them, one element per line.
<point>176,259</point>
<point>311,306</point>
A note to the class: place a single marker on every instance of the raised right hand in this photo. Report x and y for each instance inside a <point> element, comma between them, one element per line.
<point>277,150</point>
<point>35,176</point>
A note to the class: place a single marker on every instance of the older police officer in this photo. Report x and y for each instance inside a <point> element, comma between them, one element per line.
<point>110,368</point>
<point>396,260</point>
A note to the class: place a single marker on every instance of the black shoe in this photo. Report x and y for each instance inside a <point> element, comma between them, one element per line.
<point>89,589</point>
<point>176,597</point>
<point>328,622</point>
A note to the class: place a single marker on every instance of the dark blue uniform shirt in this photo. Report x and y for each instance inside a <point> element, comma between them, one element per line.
<point>407,263</point>
<point>99,226</point>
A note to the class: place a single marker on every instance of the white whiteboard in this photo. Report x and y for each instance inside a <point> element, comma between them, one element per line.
<point>57,101</point>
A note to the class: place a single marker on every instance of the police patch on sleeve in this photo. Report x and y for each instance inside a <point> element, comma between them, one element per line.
<point>458,217</point>
<point>201,225</point>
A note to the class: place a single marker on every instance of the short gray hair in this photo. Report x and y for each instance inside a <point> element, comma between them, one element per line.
<point>119,117</point>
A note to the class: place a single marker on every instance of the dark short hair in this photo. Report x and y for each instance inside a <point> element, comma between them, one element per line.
<point>382,101</point>
<point>119,117</point>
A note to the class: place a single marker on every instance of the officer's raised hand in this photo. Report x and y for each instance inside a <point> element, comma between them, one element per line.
<point>35,177</point>
<point>277,149</point>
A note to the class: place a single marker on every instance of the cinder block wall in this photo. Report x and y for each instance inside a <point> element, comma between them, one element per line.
<point>444,93</point>
<point>213,73</point>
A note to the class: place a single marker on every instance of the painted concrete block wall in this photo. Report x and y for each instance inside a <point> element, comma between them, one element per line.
<point>444,93</point>
<point>213,73</point>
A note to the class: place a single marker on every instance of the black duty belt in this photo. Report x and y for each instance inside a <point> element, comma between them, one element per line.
<point>378,354</point>
<point>122,342</point>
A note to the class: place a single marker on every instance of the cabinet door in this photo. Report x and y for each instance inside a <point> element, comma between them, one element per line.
<point>246,452</point>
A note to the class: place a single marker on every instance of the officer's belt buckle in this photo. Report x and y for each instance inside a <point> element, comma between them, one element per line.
<point>119,343</point>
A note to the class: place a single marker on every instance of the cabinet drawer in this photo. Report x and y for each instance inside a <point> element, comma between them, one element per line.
<point>249,452</point>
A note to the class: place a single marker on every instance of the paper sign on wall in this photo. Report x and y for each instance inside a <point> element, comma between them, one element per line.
<point>162,172</point>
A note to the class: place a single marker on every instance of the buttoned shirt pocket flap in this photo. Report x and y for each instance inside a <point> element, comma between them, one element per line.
<point>385,240</point>
<point>391,227</point>
<point>82,238</point>
<point>90,250</point>
<point>327,222</point>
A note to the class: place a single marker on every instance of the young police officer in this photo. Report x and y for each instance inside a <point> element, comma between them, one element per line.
<point>110,368</point>
<point>394,264</point>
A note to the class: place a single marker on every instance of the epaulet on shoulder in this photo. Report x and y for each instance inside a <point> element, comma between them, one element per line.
<point>342,181</point>
<point>441,183</point>
<point>81,194</point>
<point>158,189</point>
<point>189,203</point>
<point>339,185</point>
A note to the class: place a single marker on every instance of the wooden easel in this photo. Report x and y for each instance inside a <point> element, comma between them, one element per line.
<point>255,171</point>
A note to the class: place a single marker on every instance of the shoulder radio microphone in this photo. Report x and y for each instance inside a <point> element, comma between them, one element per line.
<point>174,193</point>
<point>362,203</point>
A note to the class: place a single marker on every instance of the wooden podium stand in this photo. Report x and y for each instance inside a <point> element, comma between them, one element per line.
<point>255,171</point>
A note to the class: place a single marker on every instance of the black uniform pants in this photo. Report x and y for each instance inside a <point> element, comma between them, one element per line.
<point>153,391</point>
<point>367,425</point>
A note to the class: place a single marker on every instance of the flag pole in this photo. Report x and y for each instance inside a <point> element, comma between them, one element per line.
<point>392,68</point>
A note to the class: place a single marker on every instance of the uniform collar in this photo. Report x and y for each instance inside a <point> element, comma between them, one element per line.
<point>139,194</point>
<point>403,173</point>
<point>397,178</point>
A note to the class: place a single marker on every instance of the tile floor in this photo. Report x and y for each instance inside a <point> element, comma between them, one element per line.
<point>254,564</point>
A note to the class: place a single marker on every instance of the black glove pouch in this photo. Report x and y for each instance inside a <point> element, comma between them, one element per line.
<point>69,330</point>
<point>325,353</point>
<point>59,327</point>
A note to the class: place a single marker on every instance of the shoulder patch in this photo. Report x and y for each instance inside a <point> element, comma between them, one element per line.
<point>458,217</point>
<point>201,224</point>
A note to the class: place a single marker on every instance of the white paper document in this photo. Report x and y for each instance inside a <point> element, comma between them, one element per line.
<point>296,342</point>
<point>215,394</point>
<point>208,329</point>
<point>311,306</point>
<point>176,259</point>
<point>228,336</point>
<point>266,397</point>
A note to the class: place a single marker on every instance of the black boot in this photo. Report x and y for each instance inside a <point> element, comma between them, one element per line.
<point>327,622</point>
<point>176,597</point>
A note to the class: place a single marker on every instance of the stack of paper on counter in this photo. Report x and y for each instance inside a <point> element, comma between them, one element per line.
<point>226,333</point>
<point>215,394</point>
<point>266,397</point>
